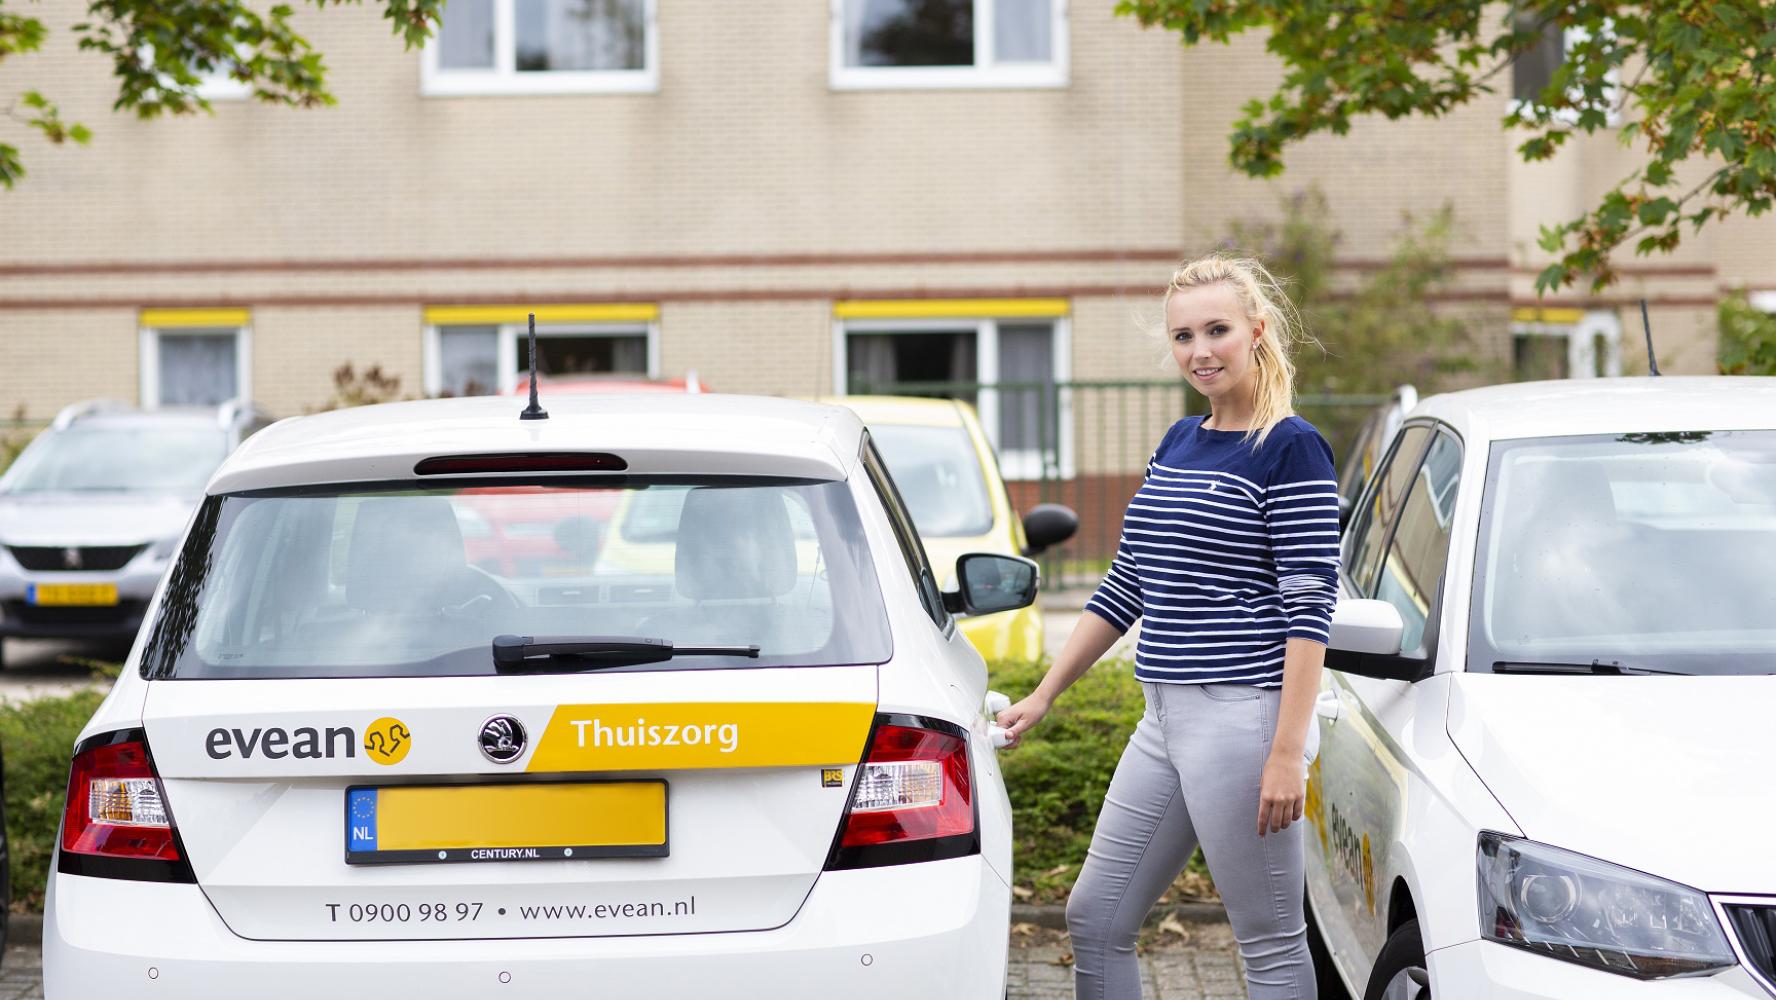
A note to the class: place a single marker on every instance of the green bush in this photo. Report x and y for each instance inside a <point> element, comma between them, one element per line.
<point>1747,338</point>
<point>1057,776</point>
<point>38,739</point>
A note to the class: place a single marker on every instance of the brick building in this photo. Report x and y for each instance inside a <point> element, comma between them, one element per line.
<point>785,196</point>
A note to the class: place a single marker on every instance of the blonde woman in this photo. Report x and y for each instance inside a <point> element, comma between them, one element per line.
<point>1229,556</point>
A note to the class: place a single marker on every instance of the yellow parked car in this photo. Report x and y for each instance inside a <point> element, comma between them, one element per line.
<point>949,478</point>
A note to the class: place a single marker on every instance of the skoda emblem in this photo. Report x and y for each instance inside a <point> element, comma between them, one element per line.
<point>502,739</point>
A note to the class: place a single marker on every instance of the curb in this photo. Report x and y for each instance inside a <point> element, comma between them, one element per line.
<point>24,928</point>
<point>1054,915</point>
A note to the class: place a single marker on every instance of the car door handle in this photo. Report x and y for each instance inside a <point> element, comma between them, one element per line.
<point>1327,706</point>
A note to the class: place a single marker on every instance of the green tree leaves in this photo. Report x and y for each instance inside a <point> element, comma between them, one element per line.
<point>161,52</point>
<point>1692,83</point>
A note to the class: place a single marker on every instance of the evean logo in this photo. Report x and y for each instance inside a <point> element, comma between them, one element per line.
<point>306,743</point>
<point>386,741</point>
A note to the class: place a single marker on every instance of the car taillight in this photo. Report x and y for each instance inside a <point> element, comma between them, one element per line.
<point>913,798</point>
<point>115,822</point>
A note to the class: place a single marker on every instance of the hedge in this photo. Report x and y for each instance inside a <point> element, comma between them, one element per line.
<point>38,739</point>
<point>1057,776</point>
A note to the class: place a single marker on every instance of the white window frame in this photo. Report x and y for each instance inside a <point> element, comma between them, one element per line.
<point>149,352</point>
<point>1581,342</point>
<point>1013,465</point>
<point>506,338</point>
<point>985,74</point>
<point>504,78</point>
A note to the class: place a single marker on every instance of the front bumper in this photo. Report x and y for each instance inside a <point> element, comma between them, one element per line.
<point>937,929</point>
<point>1486,970</point>
<point>19,618</point>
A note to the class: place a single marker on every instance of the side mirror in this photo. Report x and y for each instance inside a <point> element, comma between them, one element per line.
<point>1048,524</point>
<point>988,583</point>
<point>1366,641</point>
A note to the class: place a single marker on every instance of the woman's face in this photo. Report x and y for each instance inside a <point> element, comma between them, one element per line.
<point>1212,338</point>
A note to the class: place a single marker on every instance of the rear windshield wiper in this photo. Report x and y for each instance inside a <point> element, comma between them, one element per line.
<point>1594,667</point>
<point>568,654</point>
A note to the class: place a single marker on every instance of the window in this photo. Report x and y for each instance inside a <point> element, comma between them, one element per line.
<point>905,533</point>
<point>195,357</point>
<point>1011,370</point>
<point>543,47</point>
<point>1374,518</point>
<point>1533,70</point>
<point>1565,343</point>
<point>1412,573</point>
<point>483,358</point>
<point>949,43</point>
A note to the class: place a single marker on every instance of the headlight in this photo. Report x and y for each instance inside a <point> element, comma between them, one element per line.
<point>1579,909</point>
<point>163,550</point>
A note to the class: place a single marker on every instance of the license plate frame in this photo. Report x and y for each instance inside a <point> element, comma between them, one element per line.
<point>362,850</point>
<point>72,595</point>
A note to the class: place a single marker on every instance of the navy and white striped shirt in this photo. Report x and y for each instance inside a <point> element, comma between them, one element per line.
<point>1226,553</point>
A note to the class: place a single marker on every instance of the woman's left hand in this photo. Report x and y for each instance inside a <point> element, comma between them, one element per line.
<point>1281,793</point>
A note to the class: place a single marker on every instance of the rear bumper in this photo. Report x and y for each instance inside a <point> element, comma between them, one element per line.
<point>937,929</point>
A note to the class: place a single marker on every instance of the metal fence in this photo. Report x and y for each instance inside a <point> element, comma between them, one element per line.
<point>1085,444</point>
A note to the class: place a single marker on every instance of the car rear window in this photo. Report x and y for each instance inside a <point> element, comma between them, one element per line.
<point>398,582</point>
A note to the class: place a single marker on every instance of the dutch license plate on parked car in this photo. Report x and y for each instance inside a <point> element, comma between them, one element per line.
<point>534,821</point>
<point>72,594</point>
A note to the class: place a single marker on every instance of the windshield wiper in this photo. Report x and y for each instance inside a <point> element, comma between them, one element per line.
<point>1594,667</point>
<point>568,654</point>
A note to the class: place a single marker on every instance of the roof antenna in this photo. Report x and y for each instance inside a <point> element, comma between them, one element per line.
<point>535,412</point>
<point>1652,362</point>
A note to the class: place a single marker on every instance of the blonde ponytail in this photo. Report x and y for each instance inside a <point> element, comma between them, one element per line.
<point>1264,300</point>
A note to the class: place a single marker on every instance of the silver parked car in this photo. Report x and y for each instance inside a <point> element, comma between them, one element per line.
<point>91,510</point>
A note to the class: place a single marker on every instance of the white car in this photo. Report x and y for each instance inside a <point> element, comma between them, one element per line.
<point>1539,772</point>
<point>345,758</point>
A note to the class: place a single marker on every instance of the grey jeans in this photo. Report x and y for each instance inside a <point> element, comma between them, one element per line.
<point>1190,775</point>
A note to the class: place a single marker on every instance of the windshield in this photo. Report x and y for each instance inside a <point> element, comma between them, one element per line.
<point>938,473</point>
<point>1651,551</point>
<point>119,459</point>
<point>390,583</point>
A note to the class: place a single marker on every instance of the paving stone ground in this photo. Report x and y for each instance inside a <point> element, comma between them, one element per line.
<point>1202,966</point>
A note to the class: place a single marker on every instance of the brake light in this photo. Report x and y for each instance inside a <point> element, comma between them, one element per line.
<point>913,799</point>
<point>115,821</point>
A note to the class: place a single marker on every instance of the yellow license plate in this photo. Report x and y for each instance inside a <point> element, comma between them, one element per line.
<point>533,821</point>
<point>73,594</point>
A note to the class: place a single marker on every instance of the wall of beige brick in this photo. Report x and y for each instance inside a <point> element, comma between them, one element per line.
<point>296,351</point>
<point>50,358</point>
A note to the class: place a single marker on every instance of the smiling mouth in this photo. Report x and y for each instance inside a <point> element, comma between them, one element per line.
<point>1206,372</point>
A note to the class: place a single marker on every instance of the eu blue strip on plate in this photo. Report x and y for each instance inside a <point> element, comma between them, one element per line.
<point>361,810</point>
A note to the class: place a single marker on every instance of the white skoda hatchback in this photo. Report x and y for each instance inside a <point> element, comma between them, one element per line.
<point>655,697</point>
<point>1554,675</point>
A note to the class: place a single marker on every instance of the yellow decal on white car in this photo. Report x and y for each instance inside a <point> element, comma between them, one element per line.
<point>702,735</point>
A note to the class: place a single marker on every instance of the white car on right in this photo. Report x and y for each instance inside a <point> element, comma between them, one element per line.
<point>1545,726</point>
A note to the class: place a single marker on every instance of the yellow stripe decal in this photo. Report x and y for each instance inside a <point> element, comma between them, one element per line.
<point>431,817</point>
<point>159,319</point>
<point>584,312</point>
<point>702,735</point>
<point>948,308</point>
<point>1533,314</point>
